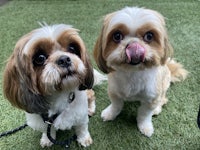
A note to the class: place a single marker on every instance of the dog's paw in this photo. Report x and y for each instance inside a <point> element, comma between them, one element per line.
<point>146,128</point>
<point>44,141</point>
<point>108,114</point>
<point>85,141</point>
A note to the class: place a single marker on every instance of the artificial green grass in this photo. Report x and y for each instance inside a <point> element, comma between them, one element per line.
<point>175,127</point>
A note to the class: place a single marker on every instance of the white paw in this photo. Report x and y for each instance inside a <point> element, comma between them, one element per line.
<point>108,114</point>
<point>62,124</point>
<point>85,141</point>
<point>146,128</point>
<point>44,141</point>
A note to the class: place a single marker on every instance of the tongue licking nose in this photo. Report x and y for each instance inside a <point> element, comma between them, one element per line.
<point>135,53</point>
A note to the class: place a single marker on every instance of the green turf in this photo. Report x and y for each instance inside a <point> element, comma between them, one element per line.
<point>175,127</point>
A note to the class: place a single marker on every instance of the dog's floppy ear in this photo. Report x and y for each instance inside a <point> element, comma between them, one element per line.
<point>101,44</point>
<point>19,81</point>
<point>101,63</point>
<point>168,50</point>
<point>88,79</point>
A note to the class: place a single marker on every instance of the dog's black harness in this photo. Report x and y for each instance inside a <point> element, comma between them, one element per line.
<point>49,121</point>
<point>198,118</point>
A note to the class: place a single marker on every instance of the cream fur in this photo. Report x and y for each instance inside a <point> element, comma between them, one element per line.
<point>148,80</point>
<point>148,86</point>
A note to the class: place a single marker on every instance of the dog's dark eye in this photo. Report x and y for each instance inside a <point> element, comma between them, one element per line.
<point>117,36</point>
<point>74,49</point>
<point>148,37</point>
<point>39,59</point>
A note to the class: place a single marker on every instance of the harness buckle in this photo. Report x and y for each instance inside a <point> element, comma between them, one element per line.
<point>48,122</point>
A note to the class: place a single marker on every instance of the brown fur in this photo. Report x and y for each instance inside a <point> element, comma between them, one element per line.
<point>22,84</point>
<point>17,78</point>
<point>71,36</point>
<point>98,48</point>
<point>178,73</point>
<point>148,79</point>
<point>105,45</point>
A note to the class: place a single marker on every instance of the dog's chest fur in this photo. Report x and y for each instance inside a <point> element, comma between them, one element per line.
<point>74,113</point>
<point>135,85</point>
<point>62,101</point>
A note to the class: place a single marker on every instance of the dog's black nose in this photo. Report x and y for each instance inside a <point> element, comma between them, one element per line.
<point>64,61</point>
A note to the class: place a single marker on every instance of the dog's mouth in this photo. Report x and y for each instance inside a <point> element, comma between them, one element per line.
<point>134,62</point>
<point>135,53</point>
<point>68,73</point>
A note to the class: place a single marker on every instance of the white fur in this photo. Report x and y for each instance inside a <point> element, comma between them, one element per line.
<point>98,77</point>
<point>136,82</point>
<point>147,81</point>
<point>57,86</point>
<point>45,85</point>
<point>134,17</point>
<point>137,85</point>
<point>73,114</point>
<point>46,31</point>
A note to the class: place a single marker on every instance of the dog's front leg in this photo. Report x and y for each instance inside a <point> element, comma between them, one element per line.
<point>144,119</point>
<point>44,141</point>
<point>111,112</point>
<point>83,135</point>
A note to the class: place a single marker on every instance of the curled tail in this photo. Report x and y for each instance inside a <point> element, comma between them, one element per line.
<point>178,73</point>
<point>98,77</point>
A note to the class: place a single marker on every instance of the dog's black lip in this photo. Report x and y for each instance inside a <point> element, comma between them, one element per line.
<point>68,73</point>
<point>133,63</point>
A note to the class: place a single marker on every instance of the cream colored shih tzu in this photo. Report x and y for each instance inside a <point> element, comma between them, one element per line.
<point>49,72</point>
<point>134,50</point>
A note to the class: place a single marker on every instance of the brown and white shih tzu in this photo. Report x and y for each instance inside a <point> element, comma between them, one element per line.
<point>49,72</point>
<point>134,50</point>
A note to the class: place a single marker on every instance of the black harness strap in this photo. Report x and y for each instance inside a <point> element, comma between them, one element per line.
<point>49,121</point>
<point>13,131</point>
<point>198,118</point>
<point>66,143</point>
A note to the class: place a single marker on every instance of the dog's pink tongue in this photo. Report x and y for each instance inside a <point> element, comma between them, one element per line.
<point>135,53</point>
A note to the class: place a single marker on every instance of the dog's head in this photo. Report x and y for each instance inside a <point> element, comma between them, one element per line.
<point>47,60</point>
<point>132,38</point>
